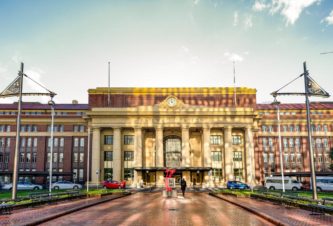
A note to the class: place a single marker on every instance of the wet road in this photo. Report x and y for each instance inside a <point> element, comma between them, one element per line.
<point>153,209</point>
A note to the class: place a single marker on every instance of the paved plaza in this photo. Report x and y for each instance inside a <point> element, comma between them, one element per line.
<point>152,209</point>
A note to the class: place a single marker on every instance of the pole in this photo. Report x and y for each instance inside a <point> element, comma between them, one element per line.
<point>308,121</point>
<point>280,146</point>
<point>51,147</point>
<point>88,160</point>
<point>109,83</point>
<point>17,142</point>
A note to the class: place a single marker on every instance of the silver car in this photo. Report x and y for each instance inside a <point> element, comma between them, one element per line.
<point>65,185</point>
<point>22,186</point>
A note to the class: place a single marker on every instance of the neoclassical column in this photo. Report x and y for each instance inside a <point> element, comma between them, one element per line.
<point>138,147</point>
<point>185,146</point>
<point>159,147</point>
<point>96,156</point>
<point>228,153</point>
<point>117,160</point>
<point>249,147</point>
<point>206,147</point>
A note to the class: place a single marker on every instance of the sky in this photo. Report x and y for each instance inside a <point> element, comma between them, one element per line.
<point>66,45</point>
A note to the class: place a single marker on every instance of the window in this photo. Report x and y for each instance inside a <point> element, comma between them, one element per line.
<point>215,139</point>
<point>264,142</point>
<point>80,174</point>
<point>35,142</point>
<point>108,139</point>
<point>128,173</point>
<point>325,128</point>
<point>236,139</point>
<point>318,143</point>
<point>61,143</point>
<point>108,173</point>
<point>264,128</point>
<point>318,128</point>
<point>270,128</point>
<point>55,142</point>
<point>216,156</point>
<point>82,142</point>
<point>270,142</point>
<point>285,128</point>
<point>285,143</point>
<point>217,174</point>
<point>81,128</point>
<point>325,142</point>
<point>265,157</point>
<point>291,142</point>
<point>291,128</point>
<point>76,157</point>
<point>128,139</point>
<point>81,157</point>
<point>61,157</point>
<point>129,155</point>
<point>76,142</point>
<point>23,142</point>
<point>237,156</point>
<point>108,156</point>
<point>297,143</point>
<point>297,128</point>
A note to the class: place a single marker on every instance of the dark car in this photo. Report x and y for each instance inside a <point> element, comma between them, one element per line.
<point>113,184</point>
<point>237,185</point>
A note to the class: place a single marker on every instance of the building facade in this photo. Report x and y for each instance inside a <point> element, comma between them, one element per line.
<point>209,135</point>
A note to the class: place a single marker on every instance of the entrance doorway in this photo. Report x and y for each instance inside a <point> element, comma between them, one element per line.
<point>196,178</point>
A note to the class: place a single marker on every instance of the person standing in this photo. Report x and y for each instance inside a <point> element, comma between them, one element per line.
<point>183,186</point>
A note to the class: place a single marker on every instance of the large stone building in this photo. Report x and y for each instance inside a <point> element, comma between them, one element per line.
<point>209,135</point>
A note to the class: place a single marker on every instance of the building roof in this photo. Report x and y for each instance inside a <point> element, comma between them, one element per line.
<point>313,106</point>
<point>39,106</point>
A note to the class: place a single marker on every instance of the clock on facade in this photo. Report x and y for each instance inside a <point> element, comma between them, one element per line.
<point>172,101</point>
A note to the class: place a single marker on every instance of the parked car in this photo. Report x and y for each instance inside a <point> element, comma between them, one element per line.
<point>65,185</point>
<point>114,184</point>
<point>324,183</point>
<point>273,183</point>
<point>237,185</point>
<point>22,186</point>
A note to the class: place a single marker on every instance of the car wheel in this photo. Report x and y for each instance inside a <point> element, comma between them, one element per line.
<point>56,188</point>
<point>75,187</point>
<point>319,189</point>
<point>271,188</point>
<point>36,188</point>
<point>294,189</point>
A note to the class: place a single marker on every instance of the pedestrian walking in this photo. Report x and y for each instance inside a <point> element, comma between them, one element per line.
<point>183,186</point>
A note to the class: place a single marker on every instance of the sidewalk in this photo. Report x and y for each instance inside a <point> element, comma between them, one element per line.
<point>279,213</point>
<point>30,215</point>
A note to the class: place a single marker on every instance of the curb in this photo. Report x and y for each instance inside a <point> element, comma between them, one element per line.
<point>72,210</point>
<point>262,215</point>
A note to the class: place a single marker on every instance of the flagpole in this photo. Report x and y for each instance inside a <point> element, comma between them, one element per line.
<point>17,142</point>
<point>312,167</point>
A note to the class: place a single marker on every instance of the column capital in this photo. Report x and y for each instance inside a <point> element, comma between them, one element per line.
<point>95,128</point>
<point>185,127</point>
<point>227,128</point>
<point>137,128</point>
<point>116,127</point>
<point>206,127</point>
<point>159,127</point>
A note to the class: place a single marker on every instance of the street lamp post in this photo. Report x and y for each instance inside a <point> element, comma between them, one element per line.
<point>88,160</point>
<point>277,103</point>
<point>51,103</point>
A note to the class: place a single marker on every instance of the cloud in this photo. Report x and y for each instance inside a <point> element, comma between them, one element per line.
<point>233,57</point>
<point>2,69</point>
<point>259,6</point>
<point>328,19</point>
<point>290,9</point>
<point>248,22</point>
<point>235,18</point>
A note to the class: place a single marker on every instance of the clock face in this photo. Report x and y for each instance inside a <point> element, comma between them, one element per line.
<point>172,101</point>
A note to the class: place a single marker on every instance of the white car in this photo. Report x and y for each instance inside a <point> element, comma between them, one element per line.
<point>273,183</point>
<point>324,183</point>
<point>22,186</point>
<point>65,185</point>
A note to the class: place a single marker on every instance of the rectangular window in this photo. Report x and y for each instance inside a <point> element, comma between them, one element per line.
<point>216,156</point>
<point>76,142</point>
<point>237,156</point>
<point>128,139</point>
<point>108,173</point>
<point>236,139</point>
<point>297,143</point>
<point>23,142</point>
<point>81,128</point>
<point>215,139</point>
<point>285,143</point>
<point>128,173</point>
<point>108,156</point>
<point>55,157</point>
<point>264,128</point>
<point>82,142</point>
<point>61,142</point>
<point>80,174</point>
<point>35,142</point>
<point>81,157</point>
<point>270,142</point>
<point>108,139</point>
<point>55,142</point>
<point>76,157</point>
<point>76,128</point>
<point>325,128</point>
<point>265,158</point>
<point>264,142</point>
<point>291,142</point>
<point>61,157</point>
<point>297,128</point>
<point>129,155</point>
